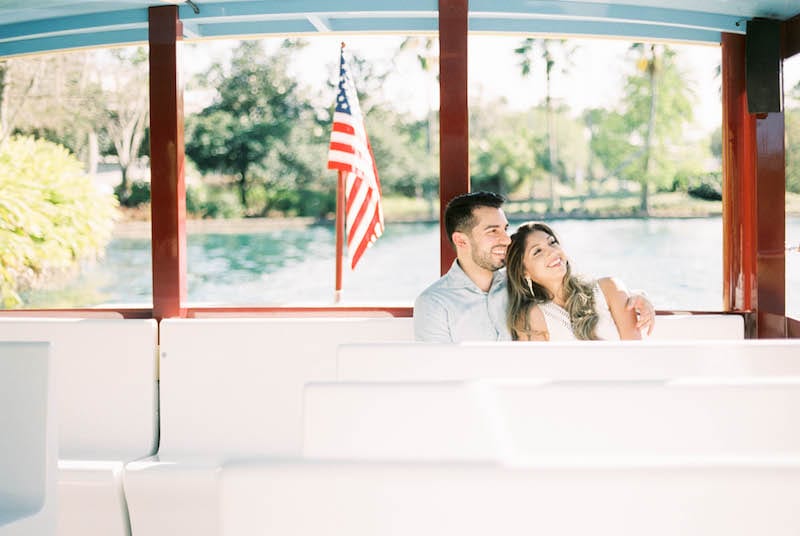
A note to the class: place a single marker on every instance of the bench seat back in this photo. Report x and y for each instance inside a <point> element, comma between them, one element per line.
<point>582,360</point>
<point>234,387</point>
<point>106,377</point>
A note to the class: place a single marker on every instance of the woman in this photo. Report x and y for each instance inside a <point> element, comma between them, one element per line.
<point>548,302</point>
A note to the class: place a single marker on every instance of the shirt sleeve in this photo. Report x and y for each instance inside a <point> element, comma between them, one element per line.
<point>430,320</point>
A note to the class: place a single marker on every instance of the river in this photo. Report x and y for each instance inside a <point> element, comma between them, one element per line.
<point>678,262</point>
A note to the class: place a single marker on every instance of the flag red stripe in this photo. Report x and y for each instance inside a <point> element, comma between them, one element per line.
<point>367,240</point>
<point>354,189</point>
<point>342,166</point>
<point>344,147</point>
<point>343,127</point>
<point>350,152</point>
<point>362,209</point>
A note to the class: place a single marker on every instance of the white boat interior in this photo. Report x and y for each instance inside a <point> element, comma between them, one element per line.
<point>249,426</point>
<point>273,425</point>
<point>28,449</point>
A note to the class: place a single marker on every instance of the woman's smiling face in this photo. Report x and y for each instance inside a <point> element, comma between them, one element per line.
<point>544,260</point>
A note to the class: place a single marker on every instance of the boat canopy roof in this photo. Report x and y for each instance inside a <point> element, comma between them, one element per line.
<point>36,26</point>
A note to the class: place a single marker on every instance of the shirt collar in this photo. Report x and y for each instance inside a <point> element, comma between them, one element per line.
<point>457,278</point>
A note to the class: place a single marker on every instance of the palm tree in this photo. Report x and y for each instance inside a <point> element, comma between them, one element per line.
<point>547,49</point>
<point>427,52</point>
<point>648,63</point>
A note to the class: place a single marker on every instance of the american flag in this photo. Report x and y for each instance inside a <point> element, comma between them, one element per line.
<point>351,153</point>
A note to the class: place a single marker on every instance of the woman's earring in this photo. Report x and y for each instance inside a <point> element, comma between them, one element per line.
<point>530,284</point>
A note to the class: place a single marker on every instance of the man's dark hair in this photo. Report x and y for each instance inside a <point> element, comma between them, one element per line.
<point>458,215</point>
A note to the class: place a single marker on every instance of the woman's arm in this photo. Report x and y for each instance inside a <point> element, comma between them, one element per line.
<point>617,298</point>
<point>538,327</point>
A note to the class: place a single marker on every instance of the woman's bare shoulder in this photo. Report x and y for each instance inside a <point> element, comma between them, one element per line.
<point>539,330</point>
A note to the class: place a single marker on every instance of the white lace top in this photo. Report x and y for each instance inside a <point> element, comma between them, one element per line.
<point>560,327</point>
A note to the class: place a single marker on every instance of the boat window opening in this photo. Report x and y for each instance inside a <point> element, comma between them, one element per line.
<point>262,232</point>
<point>561,128</point>
<point>565,144</point>
<point>78,122</point>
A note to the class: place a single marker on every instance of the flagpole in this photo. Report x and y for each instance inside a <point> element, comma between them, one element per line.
<point>337,294</point>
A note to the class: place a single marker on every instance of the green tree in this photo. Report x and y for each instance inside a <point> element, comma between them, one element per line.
<point>642,141</point>
<point>501,163</point>
<point>659,105</point>
<point>56,97</point>
<point>404,164</point>
<point>51,216</point>
<point>406,159</point>
<point>126,110</point>
<point>246,128</point>
<point>549,51</point>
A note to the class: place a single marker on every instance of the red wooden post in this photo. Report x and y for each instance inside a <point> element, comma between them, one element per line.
<point>453,113</point>
<point>753,211</point>
<point>167,185</point>
<point>771,222</point>
<point>738,169</point>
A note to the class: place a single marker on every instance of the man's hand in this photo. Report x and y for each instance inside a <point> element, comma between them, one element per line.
<point>645,313</point>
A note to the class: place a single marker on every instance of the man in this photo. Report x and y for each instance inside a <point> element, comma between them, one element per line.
<point>469,302</point>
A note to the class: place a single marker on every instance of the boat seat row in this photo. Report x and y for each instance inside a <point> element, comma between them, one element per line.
<point>106,384</point>
<point>553,421</point>
<point>27,440</point>
<point>145,429</point>
<point>476,499</point>
<point>520,457</point>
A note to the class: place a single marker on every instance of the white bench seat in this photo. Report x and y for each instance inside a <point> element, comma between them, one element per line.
<point>554,422</point>
<point>567,458</point>
<point>232,389</point>
<point>28,440</point>
<point>698,327</point>
<point>308,498</point>
<point>582,360</point>
<point>107,396</point>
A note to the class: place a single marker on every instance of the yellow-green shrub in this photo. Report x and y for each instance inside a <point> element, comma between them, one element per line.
<point>52,216</point>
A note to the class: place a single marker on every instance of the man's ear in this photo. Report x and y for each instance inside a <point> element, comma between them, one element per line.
<point>460,239</point>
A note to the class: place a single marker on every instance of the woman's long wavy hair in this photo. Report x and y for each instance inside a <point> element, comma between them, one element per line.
<point>521,297</point>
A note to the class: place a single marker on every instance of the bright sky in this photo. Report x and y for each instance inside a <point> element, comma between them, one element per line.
<point>594,80</point>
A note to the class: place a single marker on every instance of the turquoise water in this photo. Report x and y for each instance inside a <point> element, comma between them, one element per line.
<point>677,261</point>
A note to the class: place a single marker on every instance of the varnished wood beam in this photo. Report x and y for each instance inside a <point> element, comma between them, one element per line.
<point>453,112</point>
<point>167,184</point>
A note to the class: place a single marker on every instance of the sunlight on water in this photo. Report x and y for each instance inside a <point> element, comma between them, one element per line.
<point>678,262</point>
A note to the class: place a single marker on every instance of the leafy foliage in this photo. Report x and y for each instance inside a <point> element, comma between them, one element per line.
<point>549,51</point>
<point>245,130</point>
<point>53,96</point>
<point>639,141</point>
<point>51,216</point>
<point>510,153</point>
<point>502,163</point>
<point>212,202</point>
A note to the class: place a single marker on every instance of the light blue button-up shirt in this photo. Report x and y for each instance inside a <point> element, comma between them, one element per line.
<point>454,309</point>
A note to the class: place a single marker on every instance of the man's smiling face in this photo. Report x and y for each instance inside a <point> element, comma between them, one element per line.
<point>489,239</point>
